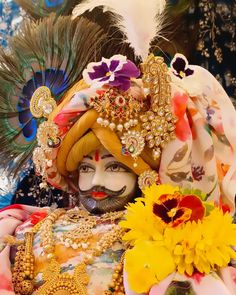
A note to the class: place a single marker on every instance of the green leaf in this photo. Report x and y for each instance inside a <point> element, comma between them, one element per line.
<point>193,191</point>
<point>209,207</point>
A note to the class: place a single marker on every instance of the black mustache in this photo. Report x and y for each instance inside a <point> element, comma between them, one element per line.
<point>103,189</point>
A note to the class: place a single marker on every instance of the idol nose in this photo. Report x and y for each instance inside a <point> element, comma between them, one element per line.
<point>98,178</point>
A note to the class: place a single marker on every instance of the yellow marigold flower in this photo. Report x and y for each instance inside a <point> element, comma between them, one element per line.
<point>146,264</point>
<point>171,231</point>
<point>202,246</point>
<point>141,224</point>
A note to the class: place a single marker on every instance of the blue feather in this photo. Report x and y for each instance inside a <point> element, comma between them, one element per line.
<point>53,3</point>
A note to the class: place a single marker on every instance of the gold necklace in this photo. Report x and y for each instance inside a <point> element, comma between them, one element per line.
<point>55,282</point>
<point>78,238</point>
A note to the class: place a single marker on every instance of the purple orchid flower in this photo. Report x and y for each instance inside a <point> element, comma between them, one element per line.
<point>180,66</point>
<point>116,72</point>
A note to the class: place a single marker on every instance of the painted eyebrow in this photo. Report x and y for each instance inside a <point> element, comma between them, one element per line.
<point>107,156</point>
<point>88,157</point>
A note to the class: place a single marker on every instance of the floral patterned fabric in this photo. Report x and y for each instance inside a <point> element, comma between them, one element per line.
<point>203,155</point>
<point>17,218</point>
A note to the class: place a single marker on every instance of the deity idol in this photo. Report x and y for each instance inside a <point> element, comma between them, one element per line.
<point>106,137</point>
<point>86,240</point>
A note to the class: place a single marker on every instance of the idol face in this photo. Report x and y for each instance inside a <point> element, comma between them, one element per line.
<point>105,184</point>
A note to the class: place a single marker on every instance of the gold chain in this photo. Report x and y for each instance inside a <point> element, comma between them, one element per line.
<point>55,282</point>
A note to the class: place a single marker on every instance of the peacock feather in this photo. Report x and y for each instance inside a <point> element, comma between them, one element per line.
<point>178,7</point>
<point>51,52</point>
<point>42,8</point>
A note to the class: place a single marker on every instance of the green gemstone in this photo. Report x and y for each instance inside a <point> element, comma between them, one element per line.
<point>131,149</point>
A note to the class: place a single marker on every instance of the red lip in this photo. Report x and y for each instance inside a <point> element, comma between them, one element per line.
<point>99,195</point>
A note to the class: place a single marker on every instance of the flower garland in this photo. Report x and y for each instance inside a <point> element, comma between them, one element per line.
<point>172,230</point>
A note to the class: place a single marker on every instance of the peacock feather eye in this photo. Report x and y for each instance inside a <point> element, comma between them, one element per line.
<point>41,56</point>
<point>55,80</point>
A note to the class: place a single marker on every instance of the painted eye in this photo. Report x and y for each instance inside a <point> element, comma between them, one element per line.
<point>85,169</point>
<point>115,168</point>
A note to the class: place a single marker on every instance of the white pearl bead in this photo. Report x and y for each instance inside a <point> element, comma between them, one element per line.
<point>49,163</point>
<point>135,121</point>
<point>112,126</point>
<point>146,91</point>
<point>84,245</point>
<point>47,109</point>
<point>99,120</point>
<point>74,246</point>
<point>105,123</point>
<point>120,127</point>
<point>67,245</point>
<point>126,125</point>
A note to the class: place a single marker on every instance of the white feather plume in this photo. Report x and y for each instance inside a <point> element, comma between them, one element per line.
<point>140,20</point>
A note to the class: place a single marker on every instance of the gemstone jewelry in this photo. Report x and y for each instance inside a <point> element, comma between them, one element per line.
<point>147,178</point>
<point>79,237</point>
<point>42,104</point>
<point>133,143</point>
<point>48,135</point>
<point>74,215</point>
<point>48,139</point>
<point>39,161</point>
<point>117,110</point>
<point>158,124</point>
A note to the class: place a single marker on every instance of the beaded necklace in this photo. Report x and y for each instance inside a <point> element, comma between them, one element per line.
<point>55,282</point>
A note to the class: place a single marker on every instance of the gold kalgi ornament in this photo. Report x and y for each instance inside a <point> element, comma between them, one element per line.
<point>158,124</point>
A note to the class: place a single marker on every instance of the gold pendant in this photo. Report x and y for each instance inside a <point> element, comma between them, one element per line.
<point>57,283</point>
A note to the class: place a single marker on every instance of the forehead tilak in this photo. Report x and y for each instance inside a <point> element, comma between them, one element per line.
<point>96,156</point>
